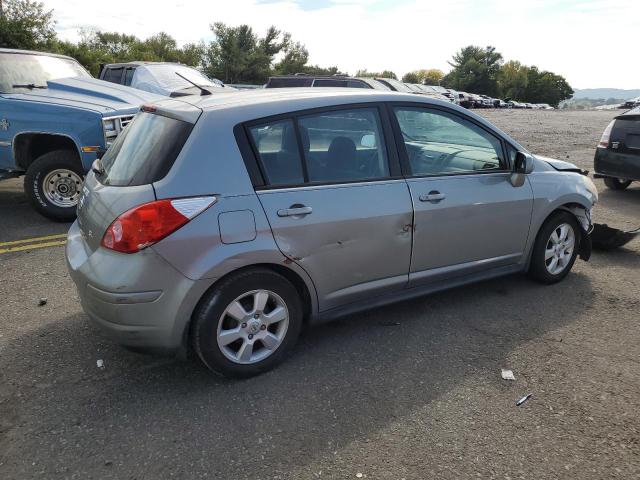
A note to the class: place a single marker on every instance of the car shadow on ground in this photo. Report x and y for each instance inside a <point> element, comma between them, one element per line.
<point>344,381</point>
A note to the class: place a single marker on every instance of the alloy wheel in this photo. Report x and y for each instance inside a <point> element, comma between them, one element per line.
<point>559,249</point>
<point>252,326</point>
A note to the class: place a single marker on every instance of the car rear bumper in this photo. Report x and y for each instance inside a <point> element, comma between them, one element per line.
<point>608,163</point>
<point>138,299</point>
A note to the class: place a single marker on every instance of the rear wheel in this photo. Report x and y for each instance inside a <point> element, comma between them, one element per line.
<point>556,248</point>
<point>53,184</point>
<point>247,324</point>
<point>616,183</point>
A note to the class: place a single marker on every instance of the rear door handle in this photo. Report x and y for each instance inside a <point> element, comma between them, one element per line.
<point>433,196</point>
<point>294,211</point>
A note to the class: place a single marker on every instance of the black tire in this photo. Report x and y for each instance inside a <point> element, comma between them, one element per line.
<point>34,183</point>
<point>538,268</point>
<point>211,308</point>
<point>616,183</point>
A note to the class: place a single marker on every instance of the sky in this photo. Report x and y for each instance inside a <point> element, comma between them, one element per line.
<point>592,43</point>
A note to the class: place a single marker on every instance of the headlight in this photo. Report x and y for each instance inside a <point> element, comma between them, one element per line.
<point>591,188</point>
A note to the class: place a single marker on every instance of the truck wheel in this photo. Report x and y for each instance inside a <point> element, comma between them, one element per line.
<point>616,183</point>
<point>53,184</point>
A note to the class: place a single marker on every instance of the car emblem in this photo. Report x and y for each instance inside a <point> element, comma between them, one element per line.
<point>4,124</point>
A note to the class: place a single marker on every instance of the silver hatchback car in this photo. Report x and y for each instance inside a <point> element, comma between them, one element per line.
<point>224,224</point>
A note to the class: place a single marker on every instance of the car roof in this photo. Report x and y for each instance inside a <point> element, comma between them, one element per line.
<point>143,62</point>
<point>32,52</point>
<point>284,100</point>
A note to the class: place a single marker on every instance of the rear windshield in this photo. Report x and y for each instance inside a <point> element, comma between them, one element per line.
<point>145,151</point>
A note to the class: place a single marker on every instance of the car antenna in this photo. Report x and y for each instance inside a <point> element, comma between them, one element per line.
<point>203,91</point>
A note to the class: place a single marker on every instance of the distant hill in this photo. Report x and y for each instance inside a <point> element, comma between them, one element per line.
<point>596,93</point>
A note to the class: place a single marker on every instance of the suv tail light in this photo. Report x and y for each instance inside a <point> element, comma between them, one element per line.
<point>604,140</point>
<point>149,223</point>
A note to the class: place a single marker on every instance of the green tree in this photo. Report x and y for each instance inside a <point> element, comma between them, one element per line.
<point>27,25</point>
<point>383,74</point>
<point>513,79</point>
<point>546,87</point>
<point>475,69</point>
<point>411,77</point>
<point>238,55</point>
<point>430,76</point>
<point>295,58</point>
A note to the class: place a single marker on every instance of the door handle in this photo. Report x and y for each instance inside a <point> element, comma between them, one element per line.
<point>433,196</point>
<point>295,211</point>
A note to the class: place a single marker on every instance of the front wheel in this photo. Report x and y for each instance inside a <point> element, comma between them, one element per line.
<point>248,323</point>
<point>556,248</point>
<point>53,184</point>
<point>616,183</point>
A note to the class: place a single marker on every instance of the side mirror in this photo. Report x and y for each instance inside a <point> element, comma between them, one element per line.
<point>522,165</point>
<point>368,141</point>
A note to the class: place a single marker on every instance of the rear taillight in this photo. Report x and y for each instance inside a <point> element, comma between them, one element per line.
<point>604,140</point>
<point>149,223</point>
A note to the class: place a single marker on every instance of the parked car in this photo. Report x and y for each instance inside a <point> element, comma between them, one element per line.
<point>425,90</point>
<point>634,102</point>
<point>465,100</point>
<point>486,101</point>
<point>336,81</point>
<point>455,96</point>
<point>442,91</point>
<point>395,85</point>
<point>617,158</point>
<point>162,78</point>
<point>54,119</point>
<point>235,223</point>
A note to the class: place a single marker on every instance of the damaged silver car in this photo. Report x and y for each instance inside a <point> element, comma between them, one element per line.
<point>223,224</point>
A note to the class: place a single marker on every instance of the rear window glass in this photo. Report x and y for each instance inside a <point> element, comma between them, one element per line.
<point>145,151</point>
<point>278,150</point>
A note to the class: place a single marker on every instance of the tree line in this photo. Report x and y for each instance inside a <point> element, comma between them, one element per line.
<point>240,55</point>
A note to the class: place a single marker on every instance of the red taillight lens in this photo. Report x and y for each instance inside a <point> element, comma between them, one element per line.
<point>149,223</point>
<point>604,140</point>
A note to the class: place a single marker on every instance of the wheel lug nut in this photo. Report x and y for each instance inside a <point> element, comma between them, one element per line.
<point>250,336</point>
<point>257,315</point>
<point>263,327</point>
<point>244,325</point>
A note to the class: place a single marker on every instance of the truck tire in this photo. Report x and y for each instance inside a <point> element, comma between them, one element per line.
<point>616,183</point>
<point>53,184</point>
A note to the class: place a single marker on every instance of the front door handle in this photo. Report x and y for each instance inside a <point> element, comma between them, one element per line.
<point>433,196</point>
<point>295,211</point>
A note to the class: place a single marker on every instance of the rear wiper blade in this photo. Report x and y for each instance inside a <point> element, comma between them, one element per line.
<point>30,86</point>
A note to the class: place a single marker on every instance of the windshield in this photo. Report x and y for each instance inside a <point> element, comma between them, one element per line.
<point>33,71</point>
<point>165,76</point>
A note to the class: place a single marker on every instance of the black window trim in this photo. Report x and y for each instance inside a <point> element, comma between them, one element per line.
<point>257,171</point>
<point>404,158</point>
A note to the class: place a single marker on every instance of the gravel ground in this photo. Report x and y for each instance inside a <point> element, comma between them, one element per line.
<point>407,391</point>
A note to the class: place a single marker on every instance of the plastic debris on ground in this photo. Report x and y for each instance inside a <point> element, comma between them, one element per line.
<point>524,399</point>
<point>507,374</point>
<point>42,301</point>
<point>100,364</point>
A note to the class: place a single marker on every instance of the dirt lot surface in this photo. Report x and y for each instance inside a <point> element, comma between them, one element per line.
<point>407,391</point>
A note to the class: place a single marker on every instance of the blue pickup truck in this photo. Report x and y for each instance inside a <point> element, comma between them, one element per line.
<point>55,119</point>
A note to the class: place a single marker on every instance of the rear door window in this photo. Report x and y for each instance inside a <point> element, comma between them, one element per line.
<point>145,151</point>
<point>344,146</point>
<point>277,147</point>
